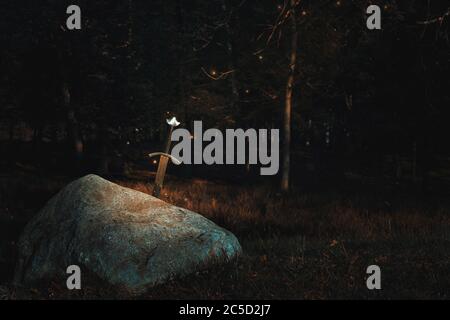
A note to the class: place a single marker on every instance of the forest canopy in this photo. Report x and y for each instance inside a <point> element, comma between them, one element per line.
<point>357,95</point>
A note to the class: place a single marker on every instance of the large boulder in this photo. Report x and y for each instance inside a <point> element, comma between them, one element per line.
<point>128,238</point>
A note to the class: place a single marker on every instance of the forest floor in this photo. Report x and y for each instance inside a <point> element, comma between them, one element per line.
<point>303,245</point>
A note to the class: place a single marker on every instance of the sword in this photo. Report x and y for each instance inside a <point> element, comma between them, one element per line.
<point>164,159</point>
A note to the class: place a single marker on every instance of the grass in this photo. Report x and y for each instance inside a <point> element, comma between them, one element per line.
<point>302,245</point>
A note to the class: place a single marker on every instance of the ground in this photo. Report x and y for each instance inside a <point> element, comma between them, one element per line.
<point>301,245</point>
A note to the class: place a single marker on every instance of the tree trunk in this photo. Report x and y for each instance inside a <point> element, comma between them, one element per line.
<point>72,124</point>
<point>12,126</point>
<point>231,61</point>
<point>73,131</point>
<point>182,110</point>
<point>104,146</point>
<point>289,102</point>
<point>37,134</point>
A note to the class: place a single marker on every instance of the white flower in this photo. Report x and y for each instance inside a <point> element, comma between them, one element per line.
<point>173,122</point>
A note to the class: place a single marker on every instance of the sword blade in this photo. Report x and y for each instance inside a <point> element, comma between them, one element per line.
<point>159,181</point>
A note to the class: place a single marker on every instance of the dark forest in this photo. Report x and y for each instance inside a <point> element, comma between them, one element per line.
<point>363,119</point>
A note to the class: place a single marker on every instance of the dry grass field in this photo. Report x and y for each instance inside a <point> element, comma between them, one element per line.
<point>301,245</point>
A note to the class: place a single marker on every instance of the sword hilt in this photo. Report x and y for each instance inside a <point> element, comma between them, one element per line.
<point>175,161</point>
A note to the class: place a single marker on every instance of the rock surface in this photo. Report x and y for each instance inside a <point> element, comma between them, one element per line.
<point>128,238</point>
